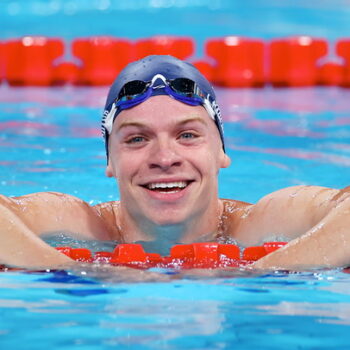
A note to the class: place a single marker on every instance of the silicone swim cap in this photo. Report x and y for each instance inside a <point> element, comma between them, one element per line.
<point>159,75</point>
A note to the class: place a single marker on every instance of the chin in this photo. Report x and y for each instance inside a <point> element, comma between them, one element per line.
<point>168,218</point>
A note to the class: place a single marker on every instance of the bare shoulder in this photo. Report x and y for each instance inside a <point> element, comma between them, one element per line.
<point>45,201</point>
<point>107,207</point>
<point>303,196</point>
<point>109,211</point>
<point>233,207</point>
<point>47,212</point>
<point>41,196</point>
<point>232,211</point>
<point>287,213</point>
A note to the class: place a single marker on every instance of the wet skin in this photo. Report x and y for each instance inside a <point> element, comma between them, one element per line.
<point>166,157</point>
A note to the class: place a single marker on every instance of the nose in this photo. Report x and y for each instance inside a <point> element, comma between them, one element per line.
<point>164,155</point>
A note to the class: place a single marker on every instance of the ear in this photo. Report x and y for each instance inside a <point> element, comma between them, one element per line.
<point>109,170</point>
<point>225,160</point>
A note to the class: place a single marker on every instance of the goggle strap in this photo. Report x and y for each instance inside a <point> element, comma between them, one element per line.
<point>208,107</point>
<point>108,120</point>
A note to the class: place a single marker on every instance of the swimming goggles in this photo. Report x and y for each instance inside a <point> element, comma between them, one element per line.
<point>182,89</point>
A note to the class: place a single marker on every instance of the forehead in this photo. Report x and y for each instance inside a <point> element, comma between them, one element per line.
<point>161,110</point>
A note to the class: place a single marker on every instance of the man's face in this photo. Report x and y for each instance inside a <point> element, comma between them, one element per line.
<point>166,156</point>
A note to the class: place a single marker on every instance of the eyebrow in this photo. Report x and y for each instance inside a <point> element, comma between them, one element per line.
<point>142,125</point>
<point>130,124</point>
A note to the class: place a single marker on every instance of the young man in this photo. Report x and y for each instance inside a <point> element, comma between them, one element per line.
<point>165,146</point>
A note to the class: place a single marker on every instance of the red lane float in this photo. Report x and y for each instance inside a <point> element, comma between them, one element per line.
<point>293,61</point>
<point>180,47</point>
<point>196,255</point>
<point>239,61</point>
<point>343,50</point>
<point>205,68</point>
<point>2,61</point>
<point>331,74</point>
<point>29,61</point>
<point>102,59</point>
<point>65,73</point>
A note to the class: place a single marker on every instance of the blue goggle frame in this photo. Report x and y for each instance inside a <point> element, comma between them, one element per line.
<point>182,89</point>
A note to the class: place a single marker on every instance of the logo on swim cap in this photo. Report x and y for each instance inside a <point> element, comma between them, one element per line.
<point>218,114</point>
<point>103,123</point>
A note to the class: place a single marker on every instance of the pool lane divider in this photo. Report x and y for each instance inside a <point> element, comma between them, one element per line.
<point>229,61</point>
<point>182,256</point>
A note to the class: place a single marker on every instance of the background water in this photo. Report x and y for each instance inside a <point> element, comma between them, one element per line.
<point>50,140</point>
<point>198,18</point>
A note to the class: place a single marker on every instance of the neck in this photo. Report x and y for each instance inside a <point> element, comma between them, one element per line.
<point>159,238</point>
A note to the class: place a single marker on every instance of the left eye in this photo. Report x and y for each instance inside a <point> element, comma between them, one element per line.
<point>187,135</point>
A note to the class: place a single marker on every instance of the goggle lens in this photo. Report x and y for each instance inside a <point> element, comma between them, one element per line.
<point>183,86</point>
<point>132,89</point>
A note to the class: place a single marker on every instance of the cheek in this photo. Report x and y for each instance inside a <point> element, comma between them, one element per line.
<point>128,166</point>
<point>206,162</point>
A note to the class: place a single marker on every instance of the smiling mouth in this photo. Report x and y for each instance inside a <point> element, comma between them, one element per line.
<point>167,187</point>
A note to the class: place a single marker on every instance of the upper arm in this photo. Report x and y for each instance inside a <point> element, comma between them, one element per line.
<point>288,213</point>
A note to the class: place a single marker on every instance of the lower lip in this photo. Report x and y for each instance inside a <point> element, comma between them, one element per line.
<point>168,196</point>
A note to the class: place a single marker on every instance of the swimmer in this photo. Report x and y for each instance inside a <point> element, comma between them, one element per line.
<point>165,147</point>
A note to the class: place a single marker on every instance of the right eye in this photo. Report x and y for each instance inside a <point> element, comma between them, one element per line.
<point>135,139</point>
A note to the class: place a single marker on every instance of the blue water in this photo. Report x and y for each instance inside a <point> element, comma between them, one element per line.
<point>50,141</point>
<point>304,311</point>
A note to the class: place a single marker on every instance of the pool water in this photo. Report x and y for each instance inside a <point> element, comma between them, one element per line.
<point>50,141</point>
<point>280,311</point>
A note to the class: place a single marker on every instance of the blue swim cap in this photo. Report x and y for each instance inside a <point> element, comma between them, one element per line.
<point>172,72</point>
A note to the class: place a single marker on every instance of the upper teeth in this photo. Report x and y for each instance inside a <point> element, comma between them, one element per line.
<point>154,185</point>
